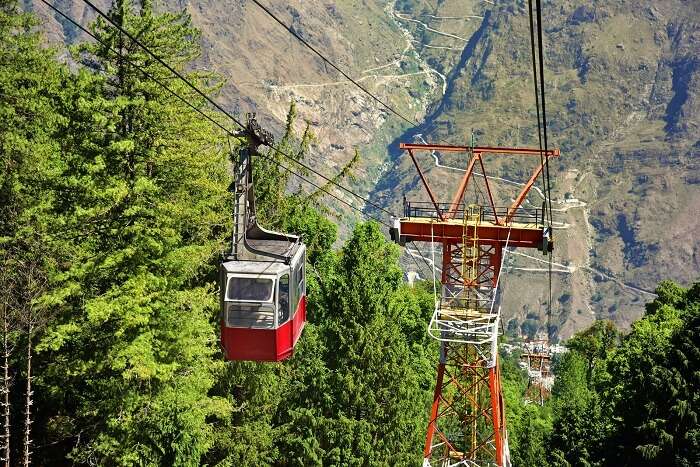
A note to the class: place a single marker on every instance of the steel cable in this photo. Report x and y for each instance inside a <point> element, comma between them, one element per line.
<point>212,120</point>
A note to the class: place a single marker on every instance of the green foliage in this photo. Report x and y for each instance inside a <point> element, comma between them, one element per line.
<point>118,192</point>
<point>142,187</point>
<point>654,383</point>
<point>595,343</point>
<point>529,446</point>
<point>619,400</point>
<point>30,86</point>
<point>126,188</point>
<point>578,426</point>
<point>361,400</point>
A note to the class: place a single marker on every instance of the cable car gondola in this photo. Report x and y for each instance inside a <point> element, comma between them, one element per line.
<point>262,280</point>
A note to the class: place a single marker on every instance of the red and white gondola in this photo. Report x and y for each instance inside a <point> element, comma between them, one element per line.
<point>262,280</point>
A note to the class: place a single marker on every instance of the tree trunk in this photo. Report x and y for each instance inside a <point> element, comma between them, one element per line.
<point>6,387</point>
<point>29,400</point>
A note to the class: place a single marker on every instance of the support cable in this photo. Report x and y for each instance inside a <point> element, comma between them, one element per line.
<point>329,180</point>
<point>432,250</point>
<point>329,62</point>
<point>212,120</point>
<point>163,63</point>
<point>222,110</point>
<point>320,188</point>
<point>544,103</point>
<point>141,69</point>
<point>544,131</point>
<point>537,99</point>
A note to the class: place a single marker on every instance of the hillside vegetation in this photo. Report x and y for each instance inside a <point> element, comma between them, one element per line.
<point>115,211</point>
<point>622,105</point>
<point>627,400</point>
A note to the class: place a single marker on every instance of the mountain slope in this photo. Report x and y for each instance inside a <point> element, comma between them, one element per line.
<point>623,105</point>
<point>622,90</point>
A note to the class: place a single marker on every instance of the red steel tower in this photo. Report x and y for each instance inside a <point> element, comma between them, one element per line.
<point>467,423</point>
<point>537,359</point>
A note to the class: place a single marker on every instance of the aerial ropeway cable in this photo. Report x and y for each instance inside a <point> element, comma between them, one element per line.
<point>540,97</point>
<point>226,130</point>
<point>334,66</point>
<point>226,113</point>
<point>262,278</point>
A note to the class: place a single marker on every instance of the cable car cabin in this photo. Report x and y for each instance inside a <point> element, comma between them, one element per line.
<point>263,305</point>
<point>262,282</point>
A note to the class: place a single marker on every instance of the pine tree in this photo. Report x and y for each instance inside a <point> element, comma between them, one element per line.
<point>364,402</point>
<point>130,359</point>
<point>578,426</point>
<point>654,384</point>
<point>641,405</point>
<point>531,438</point>
<point>29,94</point>
<point>29,87</point>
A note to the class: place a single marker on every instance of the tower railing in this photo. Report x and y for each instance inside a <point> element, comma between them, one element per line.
<point>521,215</point>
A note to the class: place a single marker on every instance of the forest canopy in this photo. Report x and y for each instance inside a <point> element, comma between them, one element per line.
<point>115,210</point>
<point>629,400</point>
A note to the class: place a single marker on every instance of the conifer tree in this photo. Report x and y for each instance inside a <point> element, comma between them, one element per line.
<point>29,87</point>
<point>130,359</point>
<point>653,389</point>
<point>594,344</point>
<point>364,403</point>
<point>640,405</point>
<point>29,93</point>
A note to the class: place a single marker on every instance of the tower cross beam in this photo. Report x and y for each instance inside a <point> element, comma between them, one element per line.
<point>477,153</point>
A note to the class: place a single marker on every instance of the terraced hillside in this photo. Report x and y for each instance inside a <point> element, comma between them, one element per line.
<point>623,105</point>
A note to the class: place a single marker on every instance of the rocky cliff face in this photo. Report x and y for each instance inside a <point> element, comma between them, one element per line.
<point>623,104</point>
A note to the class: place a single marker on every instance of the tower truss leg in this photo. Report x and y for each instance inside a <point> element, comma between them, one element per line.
<point>467,420</point>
